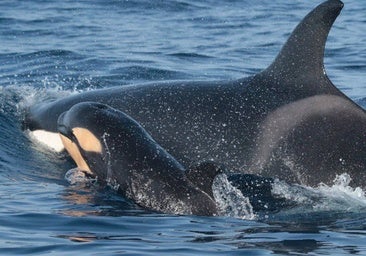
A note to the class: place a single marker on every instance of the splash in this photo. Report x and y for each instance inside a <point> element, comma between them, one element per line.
<point>230,200</point>
<point>338,197</point>
<point>107,155</point>
<point>342,196</point>
<point>14,99</point>
<point>341,183</point>
<point>14,102</point>
<point>77,176</point>
<point>111,182</point>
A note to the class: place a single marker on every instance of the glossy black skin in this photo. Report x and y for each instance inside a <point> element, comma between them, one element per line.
<point>144,171</point>
<point>226,121</point>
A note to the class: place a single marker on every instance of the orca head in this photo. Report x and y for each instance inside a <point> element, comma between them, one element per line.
<point>82,135</point>
<point>101,139</point>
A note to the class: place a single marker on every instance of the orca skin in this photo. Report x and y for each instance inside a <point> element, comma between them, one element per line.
<point>288,121</point>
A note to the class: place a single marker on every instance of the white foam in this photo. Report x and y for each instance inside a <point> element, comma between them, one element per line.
<point>51,140</point>
<point>230,200</point>
<point>342,196</point>
<point>77,176</point>
<point>339,196</point>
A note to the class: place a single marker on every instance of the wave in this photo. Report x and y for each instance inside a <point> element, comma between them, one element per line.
<point>33,69</point>
<point>189,55</point>
<point>73,71</point>
<point>33,56</point>
<point>154,6</point>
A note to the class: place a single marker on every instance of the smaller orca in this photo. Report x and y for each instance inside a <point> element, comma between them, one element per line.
<point>111,145</point>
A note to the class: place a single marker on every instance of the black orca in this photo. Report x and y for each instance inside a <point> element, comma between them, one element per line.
<point>288,121</point>
<point>109,144</point>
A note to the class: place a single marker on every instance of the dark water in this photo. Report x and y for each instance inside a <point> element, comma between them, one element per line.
<point>53,48</point>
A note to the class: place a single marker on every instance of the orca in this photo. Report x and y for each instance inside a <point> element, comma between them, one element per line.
<point>288,121</point>
<point>110,145</point>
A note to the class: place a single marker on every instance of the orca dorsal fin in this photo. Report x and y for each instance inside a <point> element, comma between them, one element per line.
<point>300,65</point>
<point>203,175</point>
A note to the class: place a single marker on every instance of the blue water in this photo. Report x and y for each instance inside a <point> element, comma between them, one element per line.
<point>50,48</point>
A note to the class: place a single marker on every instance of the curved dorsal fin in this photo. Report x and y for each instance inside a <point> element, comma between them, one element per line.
<point>300,62</point>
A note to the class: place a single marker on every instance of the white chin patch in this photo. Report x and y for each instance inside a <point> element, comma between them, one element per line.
<point>51,140</point>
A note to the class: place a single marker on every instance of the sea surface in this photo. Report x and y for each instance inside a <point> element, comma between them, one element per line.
<point>50,49</point>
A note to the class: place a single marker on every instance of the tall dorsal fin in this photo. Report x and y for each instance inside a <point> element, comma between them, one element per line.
<point>203,175</point>
<point>300,62</point>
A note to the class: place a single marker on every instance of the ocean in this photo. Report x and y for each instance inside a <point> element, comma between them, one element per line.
<point>50,49</point>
